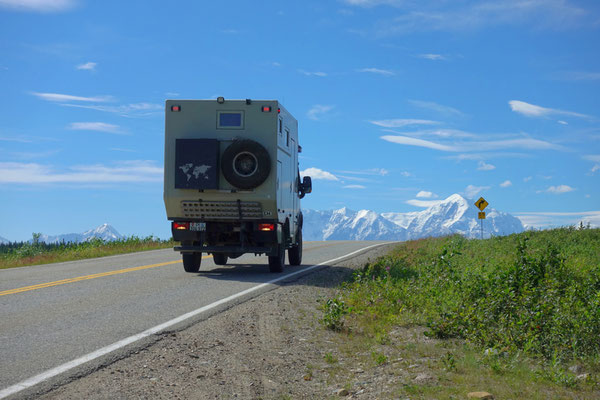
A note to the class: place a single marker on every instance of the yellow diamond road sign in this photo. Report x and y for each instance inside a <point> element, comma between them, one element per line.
<point>481,203</point>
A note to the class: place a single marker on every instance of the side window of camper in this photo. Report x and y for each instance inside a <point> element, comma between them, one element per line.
<point>280,126</point>
<point>287,138</point>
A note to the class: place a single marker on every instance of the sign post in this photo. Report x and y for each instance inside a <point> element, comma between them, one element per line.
<point>481,204</point>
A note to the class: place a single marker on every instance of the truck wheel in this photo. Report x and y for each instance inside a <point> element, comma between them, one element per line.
<point>245,164</point>
<point>220,258</point>
<point>295,252</point>
<point>191,261</point>
<point>277,262</point>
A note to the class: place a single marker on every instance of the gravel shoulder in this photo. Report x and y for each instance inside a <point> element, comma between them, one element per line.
<point>271,346</point>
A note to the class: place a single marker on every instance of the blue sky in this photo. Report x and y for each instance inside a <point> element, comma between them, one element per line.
<point>400,103</point>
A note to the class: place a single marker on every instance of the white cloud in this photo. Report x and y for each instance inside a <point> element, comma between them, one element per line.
<point>482,166</point>
<point>521,143</point>
<point>319,174</point>
<point>38,5</point>
<point>506,184</point>
<point>532,110</point>
<point>440,133</point>
<point>317,111</point>
<point>354,187</point>
<point>527,178</point>
<point>406,174</point>
<point>433,57</point>
<point>595,168</point>
<point>398,123</point>
<point>418,142</point>
<point>123,172</point>
<point>67,97</point>
<point>582,76</point>
<point>384,72</point>
<point>559,189</point>
<point>592,157</point>
<point>450,16</point>
<point>96,126</point>
<point>426,195</point>
<point>563,122</point>
<point>423,203</point>
<point>308,73</point>
<point>91,66</point>
<point>548,219</point>
<point>439,108</point>
<point>370,171</point>
<point>125,110</point>
<point>471,190</point>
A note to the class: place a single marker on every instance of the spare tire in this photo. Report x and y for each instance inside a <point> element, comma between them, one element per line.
<point>245,164</point>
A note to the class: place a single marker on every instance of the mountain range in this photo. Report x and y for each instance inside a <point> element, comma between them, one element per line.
<point>104,232</point>
<point>455,214</point>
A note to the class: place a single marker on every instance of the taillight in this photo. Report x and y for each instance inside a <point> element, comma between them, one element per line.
<point>266,108</point>
<point>181,226</point>
<point>266,227</point>
<point>176,108</point>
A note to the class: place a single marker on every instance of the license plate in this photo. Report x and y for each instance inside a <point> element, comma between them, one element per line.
<point>197,226</point>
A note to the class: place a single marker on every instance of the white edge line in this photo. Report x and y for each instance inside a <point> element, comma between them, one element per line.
<point>149,332</point>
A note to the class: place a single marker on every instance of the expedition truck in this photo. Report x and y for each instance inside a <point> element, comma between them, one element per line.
<point>232,184</point>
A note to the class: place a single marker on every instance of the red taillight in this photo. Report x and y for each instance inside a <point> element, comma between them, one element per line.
<point>266,227</point>
<point>266,108</point>
<point>182,226</point>
<point>175,108</point>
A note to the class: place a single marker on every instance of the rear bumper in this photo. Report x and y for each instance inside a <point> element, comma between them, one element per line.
<point>227,249</point>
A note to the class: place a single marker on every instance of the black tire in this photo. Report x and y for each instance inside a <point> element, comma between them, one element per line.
<point>220,258</point>
<point>295,252</point>
<point>191,261</point>
<point>277,262</point>
<point>245,164</point>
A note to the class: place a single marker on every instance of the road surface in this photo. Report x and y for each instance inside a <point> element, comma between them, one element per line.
<point>54,314</point>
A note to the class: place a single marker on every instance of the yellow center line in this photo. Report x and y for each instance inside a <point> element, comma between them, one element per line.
<point>102,274</point>
<point>85,277</point>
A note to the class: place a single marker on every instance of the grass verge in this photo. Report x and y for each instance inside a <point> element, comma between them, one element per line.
<point>21,254</point>
<point>518,314</point>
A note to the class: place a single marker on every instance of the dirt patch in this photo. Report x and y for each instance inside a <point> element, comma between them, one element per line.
<point>269,347</point>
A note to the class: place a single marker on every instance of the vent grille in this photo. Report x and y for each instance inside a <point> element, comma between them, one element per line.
<point>221,209</point>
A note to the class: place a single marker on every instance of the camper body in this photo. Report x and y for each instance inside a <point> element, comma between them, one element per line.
<point>231,180</point>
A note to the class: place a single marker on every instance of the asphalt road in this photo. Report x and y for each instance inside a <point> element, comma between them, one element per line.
<point>56,313</point>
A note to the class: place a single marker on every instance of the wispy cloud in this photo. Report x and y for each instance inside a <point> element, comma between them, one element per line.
<point>399,123</point>
<point>38,5</point>
<point>532,110</point>
<point>433,57</point>
<point>423,194</point>
<point>592,157</point>
<point>595,168</point>
<point>370,171</point>
<point>581,76</point>
<point>547,219</point>
<point>378,71</point>
<point>482,166</point>
<point>317,111</point>
<point>560,189</point>
<point>319,174</point>
<point>354,187</point>
<point>445,16</point>
<point>96,126</point>
<point>472,190</point>
<point>61,98</point>
<point>125,110</point>
<point>439,108</point>
<point>316,73</point>
<point>475,146</point>
<point>423,203</point>
<point>506,184</point>
<point>90,66</point>
<point>135,171</point>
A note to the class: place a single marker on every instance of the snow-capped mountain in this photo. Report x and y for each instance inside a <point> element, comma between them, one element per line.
<point>345,224</point>
<point>4,241</point>
<point>452,215</point>
<point>104,232</point>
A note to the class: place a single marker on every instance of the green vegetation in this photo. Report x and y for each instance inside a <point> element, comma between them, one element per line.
<point>526,304</point>
<point>24,253</point>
